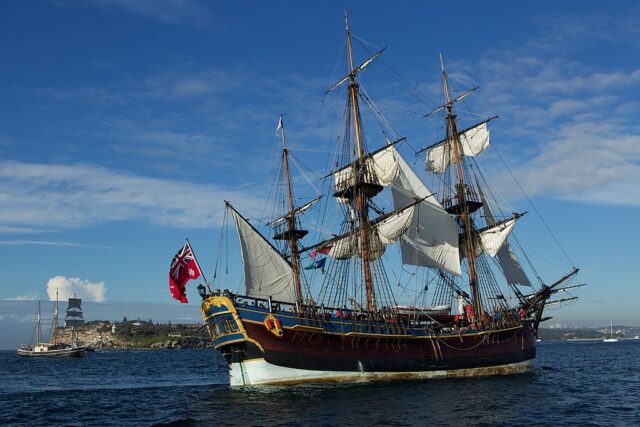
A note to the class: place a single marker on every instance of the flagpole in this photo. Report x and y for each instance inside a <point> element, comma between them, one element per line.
<point>198,264</point>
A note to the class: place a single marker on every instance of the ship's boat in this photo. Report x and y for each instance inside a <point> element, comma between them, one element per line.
<point>340,317</point>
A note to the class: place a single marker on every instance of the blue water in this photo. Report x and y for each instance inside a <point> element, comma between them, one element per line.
<point>574,383</point>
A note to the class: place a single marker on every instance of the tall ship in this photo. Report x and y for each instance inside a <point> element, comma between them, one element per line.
<point>74,317</point>
<point>339,307</point>
<point>54,347</point>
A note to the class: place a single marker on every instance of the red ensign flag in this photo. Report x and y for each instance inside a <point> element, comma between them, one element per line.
<point>183,268</point>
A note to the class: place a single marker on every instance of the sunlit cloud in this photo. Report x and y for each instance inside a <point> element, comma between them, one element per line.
<point>77,196</point>
<point>61,287</point>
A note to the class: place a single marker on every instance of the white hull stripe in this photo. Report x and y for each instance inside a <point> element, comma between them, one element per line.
<point>258,371</point>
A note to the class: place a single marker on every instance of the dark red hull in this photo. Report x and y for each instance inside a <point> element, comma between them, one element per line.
<point>371,353</point>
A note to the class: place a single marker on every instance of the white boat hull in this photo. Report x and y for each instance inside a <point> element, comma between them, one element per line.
<point>259,371</point>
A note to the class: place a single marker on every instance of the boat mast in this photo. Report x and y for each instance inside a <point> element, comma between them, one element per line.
<point>463,210</point>
<point>55,321</point>
<point>293,244</point>
<point>361,202</point>
<point>38,326</point>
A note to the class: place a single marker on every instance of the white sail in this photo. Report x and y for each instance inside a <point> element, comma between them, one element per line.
<point>474,142</point>
<point>432,237</point>
<point>266,272</point>
<point>381,168</point>
<point>507,259</point>
<point>344,248</point>
<point>493,238</point>
<point>381,234</point>
<point>389,229</point>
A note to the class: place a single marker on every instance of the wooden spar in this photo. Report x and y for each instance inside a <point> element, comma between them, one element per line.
<point>361,201</point>
<point>293,244</point>
<point>464,214</point>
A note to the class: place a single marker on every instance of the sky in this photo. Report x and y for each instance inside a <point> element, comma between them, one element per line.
<point>125,124</point>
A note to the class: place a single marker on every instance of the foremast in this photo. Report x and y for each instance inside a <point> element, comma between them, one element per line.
<point>462,210</point>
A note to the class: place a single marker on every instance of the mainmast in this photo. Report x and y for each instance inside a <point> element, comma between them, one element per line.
<point>291,219</point>
<point>462,210</point>
<point>360,199</point>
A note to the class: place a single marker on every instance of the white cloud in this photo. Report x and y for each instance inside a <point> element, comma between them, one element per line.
<point>568,132</point>
<point>27,297</point>
<point>48,243</point>
<point>67,287</point>
<point>76,196</point>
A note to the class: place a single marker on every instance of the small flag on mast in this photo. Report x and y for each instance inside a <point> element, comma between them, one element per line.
<point>280,125</point>
<point>184,267</point>
<point>316,264</point>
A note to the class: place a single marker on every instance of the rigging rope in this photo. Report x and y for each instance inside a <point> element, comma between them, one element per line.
<point>535,208</point>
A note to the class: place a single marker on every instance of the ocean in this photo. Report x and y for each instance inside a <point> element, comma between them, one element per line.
<point>574,383</point>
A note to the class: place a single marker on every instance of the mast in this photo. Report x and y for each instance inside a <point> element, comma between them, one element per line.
<point>38,326</point>
<point>293,245</point>
<point>361,202</point>
<point>54,327</point>
<point>463,211</point>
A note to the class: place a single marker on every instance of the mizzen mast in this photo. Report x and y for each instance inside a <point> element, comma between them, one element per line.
<point>293,234</point>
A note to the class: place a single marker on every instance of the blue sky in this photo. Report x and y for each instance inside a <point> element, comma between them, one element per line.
<point>124,124</point>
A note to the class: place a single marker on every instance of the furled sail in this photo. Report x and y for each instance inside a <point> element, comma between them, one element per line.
<point>507,259</point>
<point>432,237</point>
<point>382,233</point>
<point>266,272</point>
<point>474,141</point>
<point>380,168</point>
<point>296,211</point>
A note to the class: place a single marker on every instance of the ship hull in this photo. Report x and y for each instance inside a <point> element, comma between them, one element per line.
<point>261,372</point>
<point>338,350</point>
<point>67,352</point>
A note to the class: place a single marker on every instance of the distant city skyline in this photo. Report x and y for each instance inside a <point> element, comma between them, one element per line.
<point>125,124</point>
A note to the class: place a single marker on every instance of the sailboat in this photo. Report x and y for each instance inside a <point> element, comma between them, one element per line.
<point>291,324</point>
<point>52,348</point>
<point>611,337</point>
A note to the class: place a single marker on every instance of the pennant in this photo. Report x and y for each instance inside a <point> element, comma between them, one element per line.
<point>316,264</point>
<point>280,125</point>
<point>183,268</point>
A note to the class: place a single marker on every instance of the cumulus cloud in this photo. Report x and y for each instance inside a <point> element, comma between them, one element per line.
<point>67,287</point>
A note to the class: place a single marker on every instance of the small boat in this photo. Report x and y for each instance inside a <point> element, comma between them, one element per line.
<point>611,338</point>
<point>55,348</point>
